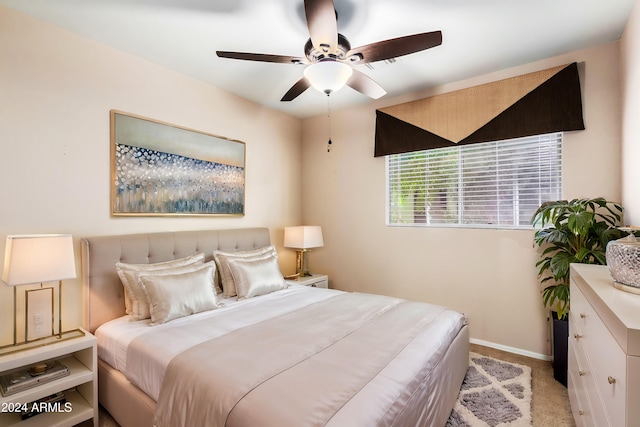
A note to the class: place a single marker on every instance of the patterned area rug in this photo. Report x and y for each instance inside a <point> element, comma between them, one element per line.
<point>494,393</point>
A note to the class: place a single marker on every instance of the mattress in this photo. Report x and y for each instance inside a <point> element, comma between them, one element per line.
<point>143,355</point>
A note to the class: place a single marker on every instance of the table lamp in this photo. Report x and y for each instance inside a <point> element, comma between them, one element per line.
<point>303,238</point>
<point>38,258</point>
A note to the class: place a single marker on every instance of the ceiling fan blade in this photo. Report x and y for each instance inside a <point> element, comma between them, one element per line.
<point>365,84</point>
<point>261,57</point>
<point>322,24</point>
<point>300,86</point>
<point>394,48</point>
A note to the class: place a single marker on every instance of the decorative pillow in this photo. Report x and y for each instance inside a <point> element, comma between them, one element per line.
<point>140,306</point>
<point>253,277</point>
<point>222,259</point>
<point>172,296</point>
<point>132,291</point>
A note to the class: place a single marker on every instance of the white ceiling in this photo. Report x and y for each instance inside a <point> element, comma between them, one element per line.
<point>479,36</point>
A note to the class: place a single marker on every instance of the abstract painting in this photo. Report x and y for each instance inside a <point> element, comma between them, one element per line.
<point>163,169</point>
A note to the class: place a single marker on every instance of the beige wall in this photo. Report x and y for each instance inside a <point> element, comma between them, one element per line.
<point>630,82</point>
<point>488,274</point>
<point>56,93</point>
<point>54,143</point>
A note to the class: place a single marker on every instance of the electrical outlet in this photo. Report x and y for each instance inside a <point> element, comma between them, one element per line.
<point>38,319</point>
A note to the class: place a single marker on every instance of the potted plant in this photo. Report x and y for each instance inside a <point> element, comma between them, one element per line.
<point>575,231</point>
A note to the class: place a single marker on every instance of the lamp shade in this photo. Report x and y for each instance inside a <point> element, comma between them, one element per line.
<point>328,76</point>
<point>38,258</point>
<point>303,237</point>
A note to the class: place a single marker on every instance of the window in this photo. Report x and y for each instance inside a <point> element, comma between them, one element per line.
<point>497,184</point>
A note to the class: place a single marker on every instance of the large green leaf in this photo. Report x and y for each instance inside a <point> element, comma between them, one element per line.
<point>559,266</point>
<point>557,297</point>
<point>569,232</point>
<point>580,222</point>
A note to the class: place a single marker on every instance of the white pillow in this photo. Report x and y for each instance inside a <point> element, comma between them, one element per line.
<point>172,296</point>
<point>253,277</point>
<point>222,259</point>
<point>133,294</point>
<point>140,306</point>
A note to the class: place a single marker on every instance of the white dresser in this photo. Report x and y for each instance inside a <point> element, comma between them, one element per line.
<point>604,350</point>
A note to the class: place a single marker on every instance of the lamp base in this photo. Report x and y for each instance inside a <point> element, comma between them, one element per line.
<point>302,263</point>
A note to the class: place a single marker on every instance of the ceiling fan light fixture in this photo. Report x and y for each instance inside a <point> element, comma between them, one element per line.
<point>328,76</point>
<point>328,56</point>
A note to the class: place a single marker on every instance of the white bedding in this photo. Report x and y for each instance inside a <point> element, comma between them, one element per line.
<point>115,336</point>
<point>156,346</point>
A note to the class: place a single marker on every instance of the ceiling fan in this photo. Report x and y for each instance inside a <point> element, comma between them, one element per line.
<point>329,56</point>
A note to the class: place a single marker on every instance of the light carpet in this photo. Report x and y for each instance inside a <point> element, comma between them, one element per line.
<point>494,393</point>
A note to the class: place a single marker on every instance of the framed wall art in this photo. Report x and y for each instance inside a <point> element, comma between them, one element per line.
<point>162,169</point>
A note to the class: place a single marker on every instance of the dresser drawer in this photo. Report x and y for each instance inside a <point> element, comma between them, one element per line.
<point>579,306</point>
<point>605,360</point>
<point>314,281</point>
<point>322,283</point>
<point>577,388</point>
<point>581,371</point>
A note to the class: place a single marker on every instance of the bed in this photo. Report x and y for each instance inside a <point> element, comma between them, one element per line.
<point>263,356</point>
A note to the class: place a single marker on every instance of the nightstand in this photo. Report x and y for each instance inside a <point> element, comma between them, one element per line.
<point>79,354</point>
<point>315,281</point>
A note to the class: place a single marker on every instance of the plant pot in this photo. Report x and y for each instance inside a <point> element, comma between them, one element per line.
<point>559,347</point>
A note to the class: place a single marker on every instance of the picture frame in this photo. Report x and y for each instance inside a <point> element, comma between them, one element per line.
<point>39,313</point>
<point>161,169</point>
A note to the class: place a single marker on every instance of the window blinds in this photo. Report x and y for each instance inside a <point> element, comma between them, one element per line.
<point>498,184</point>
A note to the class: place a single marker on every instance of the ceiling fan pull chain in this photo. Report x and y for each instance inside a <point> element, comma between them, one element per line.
<point>329,118</point>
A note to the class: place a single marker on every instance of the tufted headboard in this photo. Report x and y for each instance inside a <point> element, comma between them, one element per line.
<point>103,293</point>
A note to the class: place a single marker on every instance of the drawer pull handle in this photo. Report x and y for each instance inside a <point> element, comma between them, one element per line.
<point>577,336</point>
<point>611,380</point>
<point>581,412</point>
<point>582,315</point>
<point>583,373</point>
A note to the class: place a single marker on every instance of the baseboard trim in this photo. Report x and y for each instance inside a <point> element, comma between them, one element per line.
<point>508,349</point>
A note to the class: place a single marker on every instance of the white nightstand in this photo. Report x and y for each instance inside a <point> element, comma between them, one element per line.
<point>79,354</point>
<point>315,281</point>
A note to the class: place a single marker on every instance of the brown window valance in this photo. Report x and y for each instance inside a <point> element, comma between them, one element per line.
<point>531,104</point>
